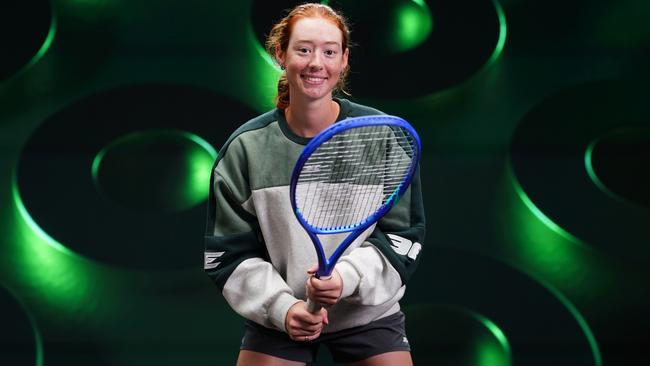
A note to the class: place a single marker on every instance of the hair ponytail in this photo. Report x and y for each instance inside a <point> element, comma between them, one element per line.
<point>282,98</point>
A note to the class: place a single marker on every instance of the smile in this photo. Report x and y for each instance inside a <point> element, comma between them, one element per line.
<point>316,80</point>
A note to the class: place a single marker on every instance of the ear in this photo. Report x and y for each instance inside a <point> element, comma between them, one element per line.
<point>279,56</point>
<point>344,61</point>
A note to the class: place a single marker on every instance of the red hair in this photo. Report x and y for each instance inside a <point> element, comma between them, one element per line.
<point>278,40</point>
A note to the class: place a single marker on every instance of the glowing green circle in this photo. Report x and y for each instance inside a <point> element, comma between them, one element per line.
<point>410,25</point>
<point>155,170</point>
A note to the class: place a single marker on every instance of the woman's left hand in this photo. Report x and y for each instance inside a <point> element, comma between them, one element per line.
<point>324,291</point>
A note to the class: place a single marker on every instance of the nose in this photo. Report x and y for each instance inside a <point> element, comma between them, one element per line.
<point>316,61</point>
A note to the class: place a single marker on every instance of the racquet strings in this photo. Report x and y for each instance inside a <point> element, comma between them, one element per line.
<point>353,174</point>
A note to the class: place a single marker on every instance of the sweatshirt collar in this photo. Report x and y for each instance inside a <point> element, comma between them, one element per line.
<point>344,111</point>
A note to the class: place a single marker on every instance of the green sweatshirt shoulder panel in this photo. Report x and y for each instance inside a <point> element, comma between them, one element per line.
<point>399,235</point>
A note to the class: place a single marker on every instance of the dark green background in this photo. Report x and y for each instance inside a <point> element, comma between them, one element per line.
<point>536,139</point>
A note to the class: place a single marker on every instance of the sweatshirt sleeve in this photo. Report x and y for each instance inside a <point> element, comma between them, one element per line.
<point>235,253</point>
<point>376,271</point>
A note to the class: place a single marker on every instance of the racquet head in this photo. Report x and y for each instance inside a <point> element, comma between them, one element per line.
<point>353,172</point>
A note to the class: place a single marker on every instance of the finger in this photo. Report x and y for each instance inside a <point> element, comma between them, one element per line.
<point>325,296</point>
<point>310,329</point>
<point>308,320</point>
<point>312,270</point>
<point>299,337</point>
<point>322,284</point>
<point>308,286</point>
<point>326,302</point>
<point>315,336</point>
<point>331,294</point>
<point>305,326</point>
<point>319,298</point>
<point>302,332</point>
<point>305,338</point>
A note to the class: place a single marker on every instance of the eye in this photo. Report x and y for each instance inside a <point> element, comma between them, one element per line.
<point>330,52</point>
<point>303,50</point>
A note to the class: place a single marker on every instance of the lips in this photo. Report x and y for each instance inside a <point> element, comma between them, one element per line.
<point>313,79</point>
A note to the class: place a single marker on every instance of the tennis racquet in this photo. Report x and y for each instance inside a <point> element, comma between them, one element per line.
<point>348,177</point>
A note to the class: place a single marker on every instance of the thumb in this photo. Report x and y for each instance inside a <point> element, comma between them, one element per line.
<point>312,270</point>
<point>326,319</point>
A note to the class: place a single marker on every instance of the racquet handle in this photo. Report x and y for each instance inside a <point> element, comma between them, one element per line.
<point>313,307</point>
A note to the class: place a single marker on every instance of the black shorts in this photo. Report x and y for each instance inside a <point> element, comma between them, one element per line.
<point>383,335</point>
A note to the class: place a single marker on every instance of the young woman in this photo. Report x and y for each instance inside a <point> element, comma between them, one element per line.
<point>257,252</point>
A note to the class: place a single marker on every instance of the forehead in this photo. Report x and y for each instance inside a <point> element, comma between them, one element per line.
<point>315,30</point>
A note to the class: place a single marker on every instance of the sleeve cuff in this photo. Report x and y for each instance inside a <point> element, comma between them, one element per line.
<point>278,310</point>
<point>350,277</point>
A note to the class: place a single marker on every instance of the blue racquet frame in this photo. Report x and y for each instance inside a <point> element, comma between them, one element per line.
<point>325,264</point>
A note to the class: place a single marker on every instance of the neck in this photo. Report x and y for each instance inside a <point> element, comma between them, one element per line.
<point>308,119</point>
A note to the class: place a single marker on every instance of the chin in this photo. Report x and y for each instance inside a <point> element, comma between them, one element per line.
<point>313,94</point>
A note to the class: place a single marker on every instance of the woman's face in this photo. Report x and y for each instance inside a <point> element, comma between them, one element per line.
<point>314,59</point>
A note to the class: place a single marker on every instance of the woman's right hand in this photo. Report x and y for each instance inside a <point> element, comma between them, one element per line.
<point>303,326</point>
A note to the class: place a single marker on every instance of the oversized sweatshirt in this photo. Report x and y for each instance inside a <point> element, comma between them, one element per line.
<point>258,254</point>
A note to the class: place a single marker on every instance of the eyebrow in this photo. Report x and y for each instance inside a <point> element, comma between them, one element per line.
<point>311,42</point>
